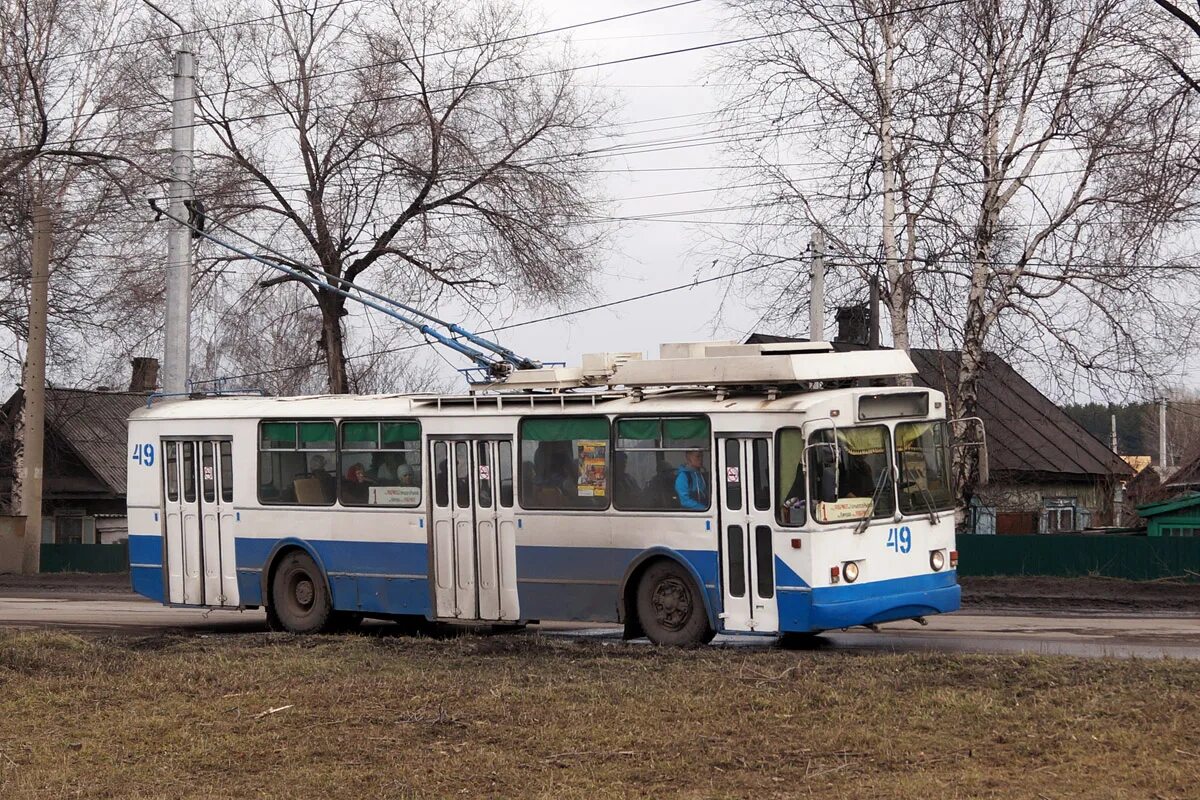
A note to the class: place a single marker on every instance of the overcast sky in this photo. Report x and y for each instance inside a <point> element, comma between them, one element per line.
<point>645,256</point>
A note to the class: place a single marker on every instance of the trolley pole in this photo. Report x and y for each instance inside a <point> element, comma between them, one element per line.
<point>179,237</point>
<point>34,416</point>
<point>816,301</point>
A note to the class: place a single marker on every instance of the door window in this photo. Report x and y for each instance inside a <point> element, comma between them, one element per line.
<point>189,472</point>
<point>733,474</point>
<point>226,449</point>
<point>172,467</point>
<point>462,473</point>
<point>483,469</point>
<point>504,466</point>
<point>441,477</point>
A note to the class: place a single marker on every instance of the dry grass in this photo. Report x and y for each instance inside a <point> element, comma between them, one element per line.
<point>524,716</point>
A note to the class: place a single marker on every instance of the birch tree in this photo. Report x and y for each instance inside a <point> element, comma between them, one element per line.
<point>1078,167</point>
<point>847,110</point>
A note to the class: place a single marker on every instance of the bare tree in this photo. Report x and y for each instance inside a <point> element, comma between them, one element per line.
<point>67,139</point>
<point>423,147</point>
<point>1021,166</point>
<point>1077,167</point>
<point>847,111</point>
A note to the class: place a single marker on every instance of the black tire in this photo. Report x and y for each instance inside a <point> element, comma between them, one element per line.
<point>299,596</point>
<point>670,607</point>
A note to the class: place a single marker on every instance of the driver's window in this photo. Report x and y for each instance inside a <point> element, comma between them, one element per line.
<point>854,479</point>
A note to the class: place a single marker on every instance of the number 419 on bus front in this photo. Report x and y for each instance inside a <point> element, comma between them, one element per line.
<point>144,454</point>
<point>900,539</point>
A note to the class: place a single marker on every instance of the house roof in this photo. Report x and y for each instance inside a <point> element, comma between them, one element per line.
<point>94,425</point>
<point>1026,431</point>
<point>1167,506</point>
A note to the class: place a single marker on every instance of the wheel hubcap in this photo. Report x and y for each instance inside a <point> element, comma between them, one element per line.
<point>672,604</point>
<point>304,592</point>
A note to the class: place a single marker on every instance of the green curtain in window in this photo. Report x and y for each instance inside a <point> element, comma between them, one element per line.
<point>400,432</point>
<point>643,429</point>
<point>908,433</point>
<point>279,435</point>
<point>688,429</point>
<point>361,433</point>
<point>558,430</point>
<point>316,433</point>
<point>862,441</point>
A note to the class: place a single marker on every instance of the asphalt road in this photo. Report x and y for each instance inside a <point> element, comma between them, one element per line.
<point>993,632</point>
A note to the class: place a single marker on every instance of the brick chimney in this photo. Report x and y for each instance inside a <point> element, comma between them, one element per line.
<point>145,374</point>
<point>854,324</point>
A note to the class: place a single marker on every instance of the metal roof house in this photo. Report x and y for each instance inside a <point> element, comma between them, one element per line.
<point>1177,517</point>
<point>1048,473</point>
<point>84,484</point>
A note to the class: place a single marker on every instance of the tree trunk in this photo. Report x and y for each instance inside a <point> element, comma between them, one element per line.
<point>332,343</point>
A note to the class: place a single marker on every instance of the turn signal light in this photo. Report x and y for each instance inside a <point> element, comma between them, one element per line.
<point>953,559</point>
<point>835,574</point>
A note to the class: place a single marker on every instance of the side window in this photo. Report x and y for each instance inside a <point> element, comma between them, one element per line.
<point>506,474</point>
<point>172,468</point>
<point>564,463</point>
<point>854,479</point>
<point>296,462</point>
<point>208,472</point>
<point>226,472</point>
<point>189,472</point>
<point>483,469</point>
<point>733,474</point>
<point>663,464</point>
<point>762,474</point>
<point>462,475</point>
<point>791,503</point>
<point>441,480</point>
<point>380,463</point>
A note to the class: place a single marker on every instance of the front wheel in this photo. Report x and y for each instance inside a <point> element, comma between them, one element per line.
<point>299,597</point>
<point>671,608</point>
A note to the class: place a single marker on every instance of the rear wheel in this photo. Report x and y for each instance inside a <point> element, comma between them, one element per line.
<point>671,608</point>
<point>299,597</point>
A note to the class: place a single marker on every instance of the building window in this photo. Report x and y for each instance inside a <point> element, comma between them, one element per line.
<point>74,527</point>
<point>663,464</point>
<point>1058,514</point>
<point>295,463</point>
<point>380,463</point>
<point>564,463</point>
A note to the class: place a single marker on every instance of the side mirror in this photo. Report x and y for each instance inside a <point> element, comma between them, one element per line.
<point>828,484</point>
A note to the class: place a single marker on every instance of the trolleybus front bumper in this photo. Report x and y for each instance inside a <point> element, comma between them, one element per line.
<point>883,601</point>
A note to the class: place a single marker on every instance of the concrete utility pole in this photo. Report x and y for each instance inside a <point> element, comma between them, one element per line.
<point>1115,448</point>
<point>1164,460</point>
<point>34,415</point>
<point>179,236</point>
<point>816,299</point>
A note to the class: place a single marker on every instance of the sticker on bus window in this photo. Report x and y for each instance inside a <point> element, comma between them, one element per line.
<point>731,475</point>
<point>485,474</point>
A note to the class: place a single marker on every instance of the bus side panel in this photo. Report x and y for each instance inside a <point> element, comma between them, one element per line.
<point>144,503</point>
<point>794,597</point>
<point>582,580</point>
<point>373,576</point>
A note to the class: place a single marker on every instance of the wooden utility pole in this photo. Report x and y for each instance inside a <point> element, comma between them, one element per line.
<point>34,415</point>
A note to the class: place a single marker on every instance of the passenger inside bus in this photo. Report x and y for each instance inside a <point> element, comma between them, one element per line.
<point>691,483</point>
<point>356,488</point>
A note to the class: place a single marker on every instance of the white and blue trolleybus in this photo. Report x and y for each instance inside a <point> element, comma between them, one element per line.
<point>766,488</point>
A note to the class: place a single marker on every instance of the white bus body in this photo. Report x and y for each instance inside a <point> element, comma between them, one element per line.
<point>452,508</point>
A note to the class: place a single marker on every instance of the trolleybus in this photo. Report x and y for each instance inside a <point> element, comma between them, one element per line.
<point>719,488</point>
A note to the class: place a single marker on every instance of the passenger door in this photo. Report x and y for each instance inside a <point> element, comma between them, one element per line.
<point>473,530</point>
<point>747,534</point>
<point>198,522</point>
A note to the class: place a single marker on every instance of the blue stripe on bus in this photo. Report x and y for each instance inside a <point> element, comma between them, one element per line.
<point>375,577</point>
<point>145,549</point>
<point>148,582</point>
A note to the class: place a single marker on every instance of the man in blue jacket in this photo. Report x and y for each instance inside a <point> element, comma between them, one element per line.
<point>690,486</point>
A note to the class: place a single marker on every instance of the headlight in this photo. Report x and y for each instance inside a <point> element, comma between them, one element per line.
<point>937,560</point>
<point>850,571</point>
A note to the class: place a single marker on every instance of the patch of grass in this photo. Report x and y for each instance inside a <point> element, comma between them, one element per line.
<point>519,715</point>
